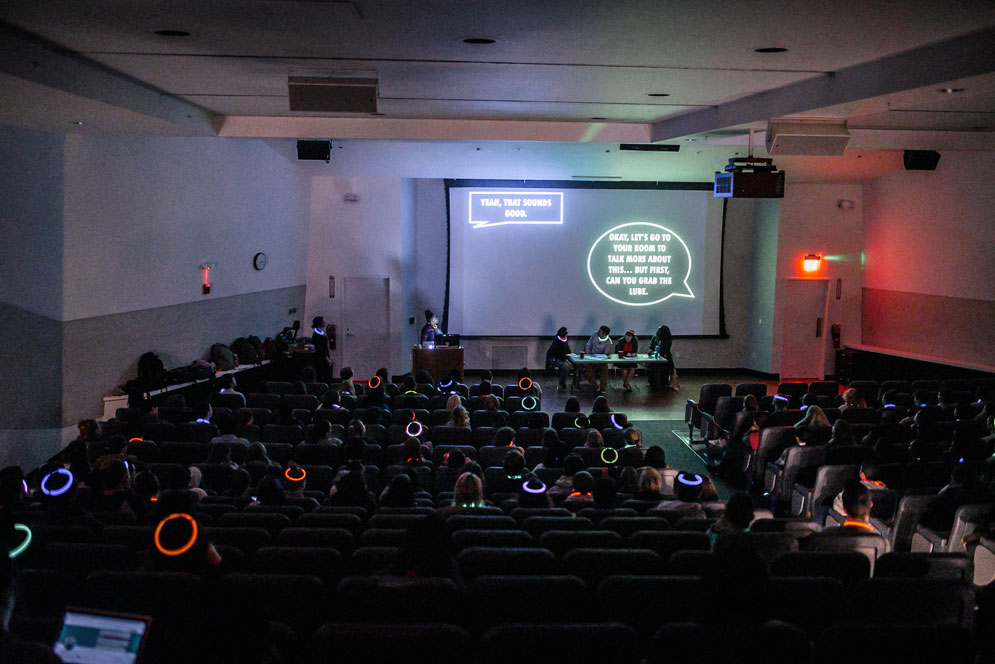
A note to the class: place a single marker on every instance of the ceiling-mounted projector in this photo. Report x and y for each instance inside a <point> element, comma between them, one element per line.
<point>749,177</point>
<point>828,139</point>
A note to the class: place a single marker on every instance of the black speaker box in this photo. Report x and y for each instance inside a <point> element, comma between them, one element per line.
<point>921,160</point>
<point>314,150</point>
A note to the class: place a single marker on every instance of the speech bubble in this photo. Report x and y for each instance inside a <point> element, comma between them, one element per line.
<point>638,264</point>
<point>499,208</point>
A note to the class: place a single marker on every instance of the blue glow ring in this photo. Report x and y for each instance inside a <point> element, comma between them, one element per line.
<point>614,423</point>
<point>526,489</point>
<point>54,493</point>
<point>684,479</point>
<point>535,402</point>
<point>407,429</point>
<point>23,546</point>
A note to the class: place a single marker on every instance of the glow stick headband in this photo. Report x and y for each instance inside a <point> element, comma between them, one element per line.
<point>530,402</point>
<point>687,480</point>
<point>778,397</point>
<point>527,489</point>
<point>582,422</point>
<point>614,423</point>
<point>376,384</point>
<point>302,474</point>
<point>414,423</point>
<point>613,451</point>
<point>62,489</point>
<point>179,551</point>
<point>524,379</point>
<point>563,339</point>
<point>444,385</point>
<point>25,543</point>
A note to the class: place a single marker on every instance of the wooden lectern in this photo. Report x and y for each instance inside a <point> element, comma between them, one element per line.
<point>437,361</point>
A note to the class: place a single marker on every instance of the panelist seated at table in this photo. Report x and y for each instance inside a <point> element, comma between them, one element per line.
<point>600,343</point>
<point>628,346</point>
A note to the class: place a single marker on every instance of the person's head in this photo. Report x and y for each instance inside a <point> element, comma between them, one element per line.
<point>595,440</point>
<point>469,491</point>
<point>888,416</point>
<point>460,417</point>
<point>355,429</point>
<point>218,453</point>
<point>430,317</point>
<point>550,438</point>
<point>780,402</point>
<point>423,377</point>
<point>534,493</point>
<point>524,373</point>
<point>351,484</point>
<point>353,449</point>
<point>870,470</point>
<point>628,480</point>
<point>453,401</point>
<point>655,457</point>
<point>633,436</point>
<point>346,374</point>
<point>504,437</point>
<point>309,375</point>
<point>572,405</point>
<point>815,417</point>
<point>513,463</point>
<point>600,405</point>
<point>850,397</point>
<point>454,458</point>
<point>857,500</point>
<point>751,403</point>
<point>604,493</point>
<point>573,464</point>
<point>555,454</point>
<point>412,450</point>
<point>383,374</point>
<point>226,382</point>
<point>256,452</point>
<point>115,476</point>
<point>178,478</point>
<point>604,331</point>
<point>688,487</point>
<point>843,433</point>
<point>810,399</point>
<point>202,410</point>
<point>408,383</point>
<point>88,430</point>
<point>270,490</point>
<point>739,511</point>
<point>629,335</point>
<point>146,484</point>
<point>583,482</point>
<point>238,483</point>
<point>649,480</point>
<point>332,399</point>
<point>400,492</point>
<point>662,332</point>
<point>562,333</point>
<point>319,431</point>
<point>196,477</point>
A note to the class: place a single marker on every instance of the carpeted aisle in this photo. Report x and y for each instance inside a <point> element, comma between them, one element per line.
<point>679,455</point>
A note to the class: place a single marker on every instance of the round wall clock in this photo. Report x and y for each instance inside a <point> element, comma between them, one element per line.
<point>259,261</point>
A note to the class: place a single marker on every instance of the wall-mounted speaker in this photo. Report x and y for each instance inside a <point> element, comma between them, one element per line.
<point>314,150</point>
<point>921,160</point>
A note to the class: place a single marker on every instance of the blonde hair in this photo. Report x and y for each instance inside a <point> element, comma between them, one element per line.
<point>452,402</point>
<point>814,417</point>
<point>459,417</point>
<point>649,479</point>
<point>469,491</point>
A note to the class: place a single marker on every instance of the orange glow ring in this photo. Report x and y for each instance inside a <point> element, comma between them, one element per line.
<point>377,379</point>
<point>303,474</point>
<point>525,378</point>
<point>186,547</point>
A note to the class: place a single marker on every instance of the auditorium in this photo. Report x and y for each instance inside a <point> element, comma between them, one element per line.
<point>327,177</point>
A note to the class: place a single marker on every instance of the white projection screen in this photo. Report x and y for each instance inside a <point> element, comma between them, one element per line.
<point>527,257</point>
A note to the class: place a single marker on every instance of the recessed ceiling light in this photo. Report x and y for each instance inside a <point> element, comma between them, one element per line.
<point>599,118</point>
<point>951,91</point>
<point>479,40</point>
<point>657,94</point>
<point>78,123</point>
<point>690,140</point>
<point>771,49</point>
<point>173,33</point>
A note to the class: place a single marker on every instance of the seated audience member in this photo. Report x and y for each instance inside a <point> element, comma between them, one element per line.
<point>581,496</point>
<point>219,454</point>
<point>655,457</point>
<point>147,487</point>
<point>453,401</point>
<point>513,473</point>
<point>600,405</point>
<point>484,388</point>
<point>408,385</point>
<point>688,488</point>
<point>229,426</point>
<point>346,385</point>
<point>196,477</point>
<point>270,491</point>
<point>244,427</point>
<point>257,453</point>
<point>349,490</point>
<point>504,437</point>
<point>332,400</point>
<point>736,517</point>
<point>174,533</point>
<point>632,453</point>
<point>555,454</point>
<point>454,459</point>
<point>227,386</point>
<point>571,405</point>
<point>295,484</point>
<point>857,503</point>
<point>594,440</point>
<point>468,494</point>
<point>842,434</point>
<point>238,484</point>
<point>472,466</point>
<point>321,434</point>
<point>89,431</point>
<point>425,380</point>
<point>202,413</point>
<point>114,493</point>
<point>781,415</point>
<point>550,438</point>
<point>309,375</point>
<point>888,431</point>
<point>964,488</point>
<point>285,415</point>
<point>814,427</point>
<point>870,475</point>
<point>649,485</point>
<point>853,399</point>
<point>605,493</point>
<point>628,481</point>
<point>355,429</point>
<point>533,388</point>
<point>411,452</point>
<point>491,404</point>
<point>451,383</point>
<point>534,494</point>
<point>399,493</point>
<point>459,418</point>
<point>572,464</point>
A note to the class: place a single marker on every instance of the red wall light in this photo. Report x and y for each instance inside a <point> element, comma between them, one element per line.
<point>811,263</point>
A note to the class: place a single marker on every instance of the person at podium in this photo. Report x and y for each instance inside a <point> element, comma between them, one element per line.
<point>430,330</point>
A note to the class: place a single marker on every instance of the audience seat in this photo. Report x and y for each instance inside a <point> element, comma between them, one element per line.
<point>848,567</point>
<point>389,643</point>
<point>593,565</point>
<point>398,599</point>
<point>577,643</point>
<point>770,643</point>
<point>475,561</point>
<point>893,644</point>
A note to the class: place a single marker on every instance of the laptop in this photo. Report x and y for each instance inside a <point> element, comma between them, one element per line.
<point>100,637</point>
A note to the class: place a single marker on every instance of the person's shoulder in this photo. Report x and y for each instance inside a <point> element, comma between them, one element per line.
<point>25,652</point>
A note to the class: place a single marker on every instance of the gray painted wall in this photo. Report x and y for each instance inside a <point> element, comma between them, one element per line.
<point>102,352</point>
<point>766,214</point>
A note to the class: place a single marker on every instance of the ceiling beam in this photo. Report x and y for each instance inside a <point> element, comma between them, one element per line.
<point>968,55</point>
<point>31,58</point>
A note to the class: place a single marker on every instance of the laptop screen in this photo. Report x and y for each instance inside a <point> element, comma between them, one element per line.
<point>99,638</point>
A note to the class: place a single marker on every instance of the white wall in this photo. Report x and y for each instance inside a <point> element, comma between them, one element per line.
<point>811,222</point>
<point>360,239</point>
<point>143,213</point>
<point>766,220</point>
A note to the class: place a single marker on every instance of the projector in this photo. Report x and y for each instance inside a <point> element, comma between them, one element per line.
<point>749,177</point>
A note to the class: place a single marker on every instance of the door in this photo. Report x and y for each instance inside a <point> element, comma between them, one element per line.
<point>803,350</point>
<point>365,319</point>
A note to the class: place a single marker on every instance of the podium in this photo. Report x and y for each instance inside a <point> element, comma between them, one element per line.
<point>437,361</point>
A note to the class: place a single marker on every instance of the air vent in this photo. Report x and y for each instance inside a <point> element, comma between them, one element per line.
<point>806,138</point>
<point>649,147</point>
<point>324,94</point>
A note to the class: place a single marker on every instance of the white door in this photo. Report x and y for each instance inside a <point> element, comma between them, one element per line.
<point>804,346</point>
<point>365,319</point>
